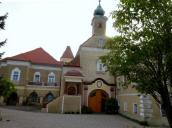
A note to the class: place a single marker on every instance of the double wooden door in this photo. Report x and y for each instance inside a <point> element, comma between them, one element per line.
<point>96,100</point>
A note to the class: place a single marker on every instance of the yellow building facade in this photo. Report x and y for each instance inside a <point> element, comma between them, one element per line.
<point>67,85</point>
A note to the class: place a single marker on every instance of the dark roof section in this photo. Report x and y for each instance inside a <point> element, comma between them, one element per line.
<point>67,53</point>
<point>74,63</point>
<point>36,56</point>
<point>73,73</point>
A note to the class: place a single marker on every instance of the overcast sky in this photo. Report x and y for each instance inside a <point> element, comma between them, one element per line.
<point>50,24</point>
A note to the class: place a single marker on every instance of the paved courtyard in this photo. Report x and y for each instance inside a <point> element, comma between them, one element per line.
<point>24,119</point>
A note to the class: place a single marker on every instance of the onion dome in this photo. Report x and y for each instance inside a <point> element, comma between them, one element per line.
<point>99,11</point>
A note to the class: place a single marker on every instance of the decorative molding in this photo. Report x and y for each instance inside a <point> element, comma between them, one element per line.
<point>129,94</point>
<point>45,67</point>
<point>104,81</point>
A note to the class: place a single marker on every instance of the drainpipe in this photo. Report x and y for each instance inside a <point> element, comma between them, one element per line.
<point>61,78</point>
<point>115,86</point>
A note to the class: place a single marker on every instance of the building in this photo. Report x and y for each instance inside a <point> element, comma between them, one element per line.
<point>67,85</point>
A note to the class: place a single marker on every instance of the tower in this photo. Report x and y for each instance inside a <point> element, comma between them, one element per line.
<point>99,21</point>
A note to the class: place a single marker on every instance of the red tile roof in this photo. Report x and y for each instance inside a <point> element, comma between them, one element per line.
<point>36,56</point>
<point>67,53</point>
<point>73,73</point>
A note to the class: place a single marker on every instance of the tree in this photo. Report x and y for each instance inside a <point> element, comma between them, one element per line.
<point>2,26</point>
<point>143,49</point>
<point>6,87</point>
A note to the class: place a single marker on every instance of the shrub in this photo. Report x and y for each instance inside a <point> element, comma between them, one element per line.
<point>112,106</point>
<point>86,110</point>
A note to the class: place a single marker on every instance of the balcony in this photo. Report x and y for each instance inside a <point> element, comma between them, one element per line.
<point>43,84</point>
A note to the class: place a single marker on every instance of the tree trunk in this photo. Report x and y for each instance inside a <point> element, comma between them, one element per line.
<point>169,116</point>
<point>167,105</point>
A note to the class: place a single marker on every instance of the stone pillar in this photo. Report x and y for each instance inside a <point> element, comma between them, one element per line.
<point>1,100</point>
<point>145,106</point>
<point>41,100</point>
<point>21,100</point>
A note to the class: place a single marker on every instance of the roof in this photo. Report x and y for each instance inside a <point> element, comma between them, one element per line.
<point>74,63</point>
<point>67,53</point>
<point>36,56</point>
<point>73,73</point>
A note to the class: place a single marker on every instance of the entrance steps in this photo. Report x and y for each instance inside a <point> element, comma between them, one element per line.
<point>65,104</point>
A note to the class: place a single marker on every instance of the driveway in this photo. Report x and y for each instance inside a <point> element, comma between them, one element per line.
<point>25,119</point>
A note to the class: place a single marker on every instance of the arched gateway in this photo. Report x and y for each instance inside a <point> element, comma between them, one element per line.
<point>97,100</point>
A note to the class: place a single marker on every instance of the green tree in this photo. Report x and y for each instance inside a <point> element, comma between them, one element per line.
<point>6,87</point>
<point>2,26</point>
<point>143,49</point>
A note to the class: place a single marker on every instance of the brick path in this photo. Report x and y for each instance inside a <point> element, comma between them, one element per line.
<point>24,119</point>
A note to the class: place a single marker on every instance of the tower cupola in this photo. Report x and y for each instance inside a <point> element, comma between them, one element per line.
<point>99,10</point>
<point>99,21</point>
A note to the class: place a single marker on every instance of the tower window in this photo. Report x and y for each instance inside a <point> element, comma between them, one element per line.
<point>101,43</point>
<point>99,25</point>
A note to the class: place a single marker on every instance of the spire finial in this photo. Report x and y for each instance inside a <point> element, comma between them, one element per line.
<point>99,2</point>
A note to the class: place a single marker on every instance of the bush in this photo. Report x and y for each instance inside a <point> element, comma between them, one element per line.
<point>86,110</point>
<point>111,106</point>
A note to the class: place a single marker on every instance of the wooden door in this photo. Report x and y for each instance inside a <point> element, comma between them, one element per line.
<point>95,101</point>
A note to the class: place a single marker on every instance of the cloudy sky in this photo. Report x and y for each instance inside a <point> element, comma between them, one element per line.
<point>50,24</point>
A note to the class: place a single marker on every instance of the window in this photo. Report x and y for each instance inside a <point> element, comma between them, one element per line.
<point>33,97</point>
<point>162,111</point>
<point>51,77</point>
<point>101,43</point>
<point>100,66</point>
<point>71,90</point>
<point>37,77</point>
<point>135,108</point>
<point>15,74</point>
<point>125,107</point>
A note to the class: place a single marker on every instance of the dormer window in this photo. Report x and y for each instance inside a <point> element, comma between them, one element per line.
<point>37,77</point>
<point>15,74</point>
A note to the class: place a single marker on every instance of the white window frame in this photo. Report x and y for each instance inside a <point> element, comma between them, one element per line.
<point>50,80</point>
<point>34,78</point>
<point>101,42</point>
<point>135,110</point>
<point>125,107</point>
<point>14,71</point>
<point>100,66</point>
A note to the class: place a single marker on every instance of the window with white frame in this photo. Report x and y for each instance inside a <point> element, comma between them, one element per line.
<point>100,66</point>
<point>135,108</point>
<point>37,77</point>
<point>51,77</point>
<point>125,106</point>
<point>15,74</point>
<point>101,43</point>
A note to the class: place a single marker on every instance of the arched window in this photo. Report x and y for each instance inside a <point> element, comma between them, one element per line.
<point>51,78</point>
<point>33,97</point>
<point>71,90</point>
<point>100,66</point>
<point>37,77</point>
<point>49,97</point>
<point>15,74</point>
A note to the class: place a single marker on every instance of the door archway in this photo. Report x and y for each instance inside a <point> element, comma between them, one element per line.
<point>97,100</point>
<point>12,99</point>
